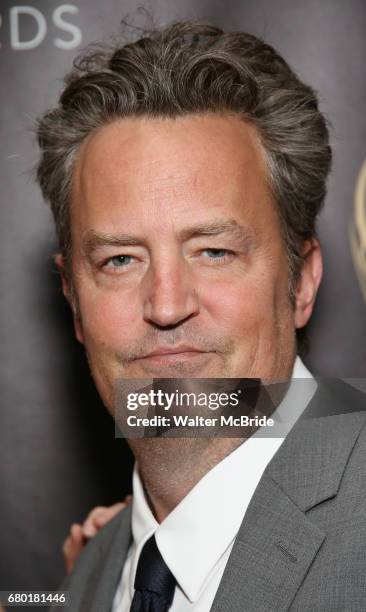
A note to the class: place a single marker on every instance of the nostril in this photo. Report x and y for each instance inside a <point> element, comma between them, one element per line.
<point>170,308</point>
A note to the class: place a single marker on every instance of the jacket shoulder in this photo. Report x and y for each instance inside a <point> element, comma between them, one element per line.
<point>89,572</point>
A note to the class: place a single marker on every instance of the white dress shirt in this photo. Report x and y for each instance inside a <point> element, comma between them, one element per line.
<point>192,545</point>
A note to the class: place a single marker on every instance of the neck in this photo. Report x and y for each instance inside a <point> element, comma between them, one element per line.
<point>170,467</point>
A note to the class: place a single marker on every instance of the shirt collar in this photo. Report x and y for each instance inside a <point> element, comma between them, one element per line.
<point>216,505</point>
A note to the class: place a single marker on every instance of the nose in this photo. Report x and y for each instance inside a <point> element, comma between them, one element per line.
<point>170,294</point>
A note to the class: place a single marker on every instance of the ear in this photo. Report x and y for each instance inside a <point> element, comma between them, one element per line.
<point>69,295</point>
<point>309,281</point>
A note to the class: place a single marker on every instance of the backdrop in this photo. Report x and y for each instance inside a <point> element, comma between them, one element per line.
<point>58,455</point>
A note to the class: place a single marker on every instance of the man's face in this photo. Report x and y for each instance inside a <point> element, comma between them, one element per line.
<point>178,263</point>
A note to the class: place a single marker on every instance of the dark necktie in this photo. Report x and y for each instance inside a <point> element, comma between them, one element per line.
<point>154,582</point>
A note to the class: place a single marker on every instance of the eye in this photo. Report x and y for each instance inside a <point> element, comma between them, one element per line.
<point>118,261</point>
<point>217,254</point>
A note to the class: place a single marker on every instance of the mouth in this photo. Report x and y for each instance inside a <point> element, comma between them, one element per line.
<point>171,355</point>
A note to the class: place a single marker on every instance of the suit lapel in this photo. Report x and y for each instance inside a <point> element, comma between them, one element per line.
<point>272,553</point>
<point>277,542</point>
<point>310,463</point>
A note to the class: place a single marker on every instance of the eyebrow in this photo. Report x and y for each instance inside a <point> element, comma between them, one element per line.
<point>93,240</point>
<point>215,228</point>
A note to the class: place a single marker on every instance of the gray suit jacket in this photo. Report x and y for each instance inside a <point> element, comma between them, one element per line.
<point>302,543</point>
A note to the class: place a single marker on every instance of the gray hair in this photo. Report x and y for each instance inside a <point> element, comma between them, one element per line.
<point>194,67</point>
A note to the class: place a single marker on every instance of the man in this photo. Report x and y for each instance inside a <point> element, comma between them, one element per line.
<point>185,172</point>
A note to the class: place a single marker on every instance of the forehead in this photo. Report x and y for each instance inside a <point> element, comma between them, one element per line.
<point>185,166</point>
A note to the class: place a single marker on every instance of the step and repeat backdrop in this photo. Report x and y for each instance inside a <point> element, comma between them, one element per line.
<point>58,453</point>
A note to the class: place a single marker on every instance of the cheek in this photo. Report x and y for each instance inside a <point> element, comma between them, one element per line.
<point>240,304</point>
<point>107,317</point>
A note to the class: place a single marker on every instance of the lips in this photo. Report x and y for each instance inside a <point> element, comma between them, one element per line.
<point>176,350</point>
<point>173,360</point>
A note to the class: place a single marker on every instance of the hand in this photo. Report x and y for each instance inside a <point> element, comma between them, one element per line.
<point>80,534</point>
